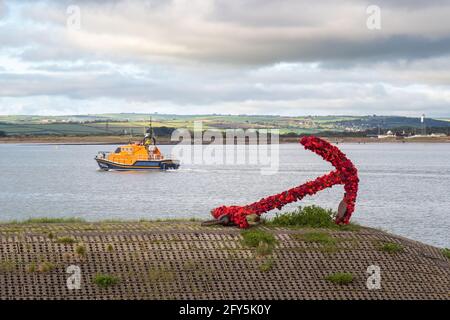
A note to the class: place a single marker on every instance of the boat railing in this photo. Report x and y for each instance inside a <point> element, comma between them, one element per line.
<point>102,154</point>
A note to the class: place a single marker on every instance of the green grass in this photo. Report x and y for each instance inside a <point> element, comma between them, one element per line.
<point>390,247</point>
<point>266,265</point>
<point>348,227</point>
<point>192,219</point>
<point>263,241</point>
<point>7,266</point>
<point>105,280</point>
<point>142,220</point>
<point>253,238</point>
<point>264,249</point>
<point>310,217</point>
<point>42,267</point>
<point>113,221</point>
<point>32,267</point>
<point>446,252</point>
<point>66,240</point>
<point>47,220</point>
<point>340,278</point>
<point>80,250</point>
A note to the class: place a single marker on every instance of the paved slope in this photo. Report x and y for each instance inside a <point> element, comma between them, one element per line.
<point>181,260</point>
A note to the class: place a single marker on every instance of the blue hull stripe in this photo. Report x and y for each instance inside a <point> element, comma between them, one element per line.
<point>138,165</point>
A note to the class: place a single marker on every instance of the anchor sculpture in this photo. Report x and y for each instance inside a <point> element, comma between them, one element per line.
<point>345,173</point>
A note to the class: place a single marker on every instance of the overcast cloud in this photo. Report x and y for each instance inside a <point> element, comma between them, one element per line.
<point>220,56</point>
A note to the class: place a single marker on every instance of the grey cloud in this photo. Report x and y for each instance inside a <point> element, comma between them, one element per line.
<point>253,56</point>
<point>3,9</point>
<point>288,83</point>
<point>250,32</point>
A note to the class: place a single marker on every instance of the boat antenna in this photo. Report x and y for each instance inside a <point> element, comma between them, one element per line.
<point>152,133</point>
<point>149,134</point>
<point>151,126</point>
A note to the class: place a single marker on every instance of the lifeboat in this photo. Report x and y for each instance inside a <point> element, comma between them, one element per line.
<point>144,155</point>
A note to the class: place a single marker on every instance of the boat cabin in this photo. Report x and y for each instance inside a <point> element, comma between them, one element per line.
<point>131,153</point>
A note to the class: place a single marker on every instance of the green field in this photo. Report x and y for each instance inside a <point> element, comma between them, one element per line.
<point>134,123</point>
<point>116,124</point>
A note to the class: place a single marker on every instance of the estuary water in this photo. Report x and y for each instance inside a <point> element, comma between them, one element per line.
<point>404,188</point>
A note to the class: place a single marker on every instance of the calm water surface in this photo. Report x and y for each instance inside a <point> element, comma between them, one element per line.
<point>404,188</point>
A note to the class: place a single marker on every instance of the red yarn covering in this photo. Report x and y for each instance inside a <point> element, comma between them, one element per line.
<point>345,173</point>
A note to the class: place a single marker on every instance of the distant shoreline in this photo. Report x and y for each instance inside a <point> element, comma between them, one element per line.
<point>113,140</point>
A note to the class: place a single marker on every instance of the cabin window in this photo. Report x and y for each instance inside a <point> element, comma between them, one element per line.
<point>117,150</point>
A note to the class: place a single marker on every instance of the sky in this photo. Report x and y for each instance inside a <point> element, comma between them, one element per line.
<point>284,57</point>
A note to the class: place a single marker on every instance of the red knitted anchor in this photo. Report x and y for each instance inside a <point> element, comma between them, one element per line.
<point>345,173</point>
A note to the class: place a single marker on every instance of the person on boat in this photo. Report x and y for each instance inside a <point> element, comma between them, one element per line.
<point>149,138</point>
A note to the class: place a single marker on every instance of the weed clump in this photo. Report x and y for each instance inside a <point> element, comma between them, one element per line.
<point>263,242</point>
<point>253,237</point>
<point>391,247</point>
<point>266,265</point>
<point>31,267</point>
<point>7,266</point>
<point>66,240</point>
<point>264,249</point>
<point>80,250</point>
<point>310,217</point>
<point>340,278</point>
<point>46,266</point>
<point>105,280</point>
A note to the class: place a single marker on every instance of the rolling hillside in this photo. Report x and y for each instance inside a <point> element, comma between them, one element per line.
<point>134,123</point>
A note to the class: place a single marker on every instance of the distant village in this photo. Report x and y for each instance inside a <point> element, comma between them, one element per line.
<point>376,127</point>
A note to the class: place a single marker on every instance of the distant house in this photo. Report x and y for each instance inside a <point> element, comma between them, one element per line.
<point>388,134</point>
